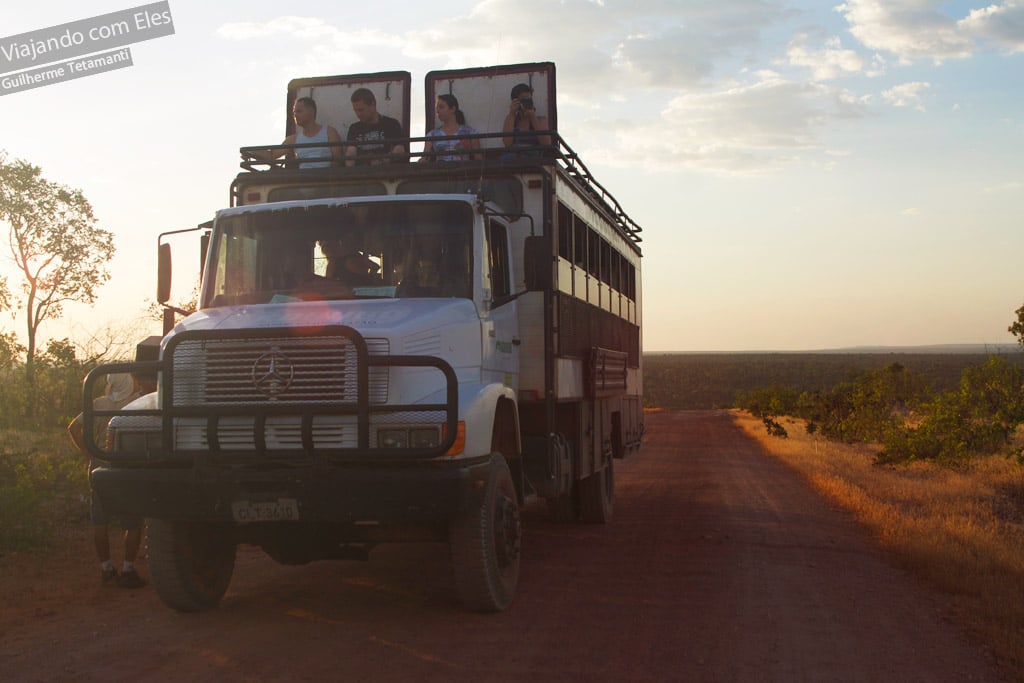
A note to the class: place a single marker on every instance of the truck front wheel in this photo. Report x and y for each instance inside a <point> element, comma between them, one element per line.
<point>485,544</point>
<point>190,564</point>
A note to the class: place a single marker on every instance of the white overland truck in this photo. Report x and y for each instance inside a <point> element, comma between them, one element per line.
<point>403,349</point>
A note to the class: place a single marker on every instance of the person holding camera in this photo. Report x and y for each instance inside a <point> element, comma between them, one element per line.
<point>522,123</point>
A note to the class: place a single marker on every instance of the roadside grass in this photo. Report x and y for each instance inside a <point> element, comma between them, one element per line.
<point>43,486</point>
<point>960,529</point>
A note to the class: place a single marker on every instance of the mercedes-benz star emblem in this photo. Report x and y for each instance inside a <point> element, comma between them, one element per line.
<point>272,373</point>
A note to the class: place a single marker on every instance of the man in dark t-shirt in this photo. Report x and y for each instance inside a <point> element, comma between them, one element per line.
<point>371,131</point>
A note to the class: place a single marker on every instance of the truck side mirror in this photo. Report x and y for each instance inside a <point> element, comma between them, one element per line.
<point>537,264</point>
<point>163,274</point>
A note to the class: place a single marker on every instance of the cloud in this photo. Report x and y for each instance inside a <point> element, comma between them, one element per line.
<point>919,29</point>
<point>741,129</point>
<point>600,46</point>
<point>1002,24</point>
<point>906,95</point>
<point>675,84</point>
<point>827,63</point>
<point>655,74</point>
<point>323,47</point>
<point>298,27</point>
<point>1013,186</point>
<point>910,29</point>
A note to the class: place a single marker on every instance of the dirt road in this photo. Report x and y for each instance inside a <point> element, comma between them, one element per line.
<point>720,565</point>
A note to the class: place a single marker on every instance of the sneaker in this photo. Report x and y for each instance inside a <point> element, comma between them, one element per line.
<point>108,576</point>
<point>130,579</point>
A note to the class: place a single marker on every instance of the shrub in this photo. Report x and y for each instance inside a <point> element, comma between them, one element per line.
<point>979,417</point>
<point>893,406</point>
<point>42,483</point>
<point>775,428</point>
<point>769,401</point>
<point>869,407</point>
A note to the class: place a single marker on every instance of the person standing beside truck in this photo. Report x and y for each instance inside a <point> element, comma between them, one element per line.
<point>121,389</point>
<point>373,134</point>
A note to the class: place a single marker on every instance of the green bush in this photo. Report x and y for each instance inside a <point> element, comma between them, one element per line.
<point>978,418</point>
<point>769,401</point>
<point>43,480</point>
<point>43,483</point>
<point>865,409</point>
<point>56,395</point>
<point>896,408</point>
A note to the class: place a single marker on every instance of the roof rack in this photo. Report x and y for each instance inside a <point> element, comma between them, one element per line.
<point>272,158</point>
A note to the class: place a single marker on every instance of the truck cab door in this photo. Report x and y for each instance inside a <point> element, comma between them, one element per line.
<point>500,319</point>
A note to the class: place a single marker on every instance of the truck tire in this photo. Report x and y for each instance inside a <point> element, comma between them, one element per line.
<point>596,495</point>
<point>190,564</point>
<point>485,544</point>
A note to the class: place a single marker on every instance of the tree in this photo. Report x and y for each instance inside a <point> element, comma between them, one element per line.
<point>54,242</point>
<point>5,294</point>
<point>10,350</point>
<point>1017,328</point>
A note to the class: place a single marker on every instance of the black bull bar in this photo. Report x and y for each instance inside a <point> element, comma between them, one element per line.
<point>361,407</point>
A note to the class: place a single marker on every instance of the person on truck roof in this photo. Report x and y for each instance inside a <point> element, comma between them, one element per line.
<point>308,131</point>
<point>522,122</point>
<point>452,124</point>
<point>371,131</point>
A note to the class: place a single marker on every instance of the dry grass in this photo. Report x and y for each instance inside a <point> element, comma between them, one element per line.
<point>962,530</point>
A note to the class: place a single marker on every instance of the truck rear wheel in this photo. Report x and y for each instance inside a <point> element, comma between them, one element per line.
<point>596,495</point>
<point>190,564</point>
<point>485,544</point>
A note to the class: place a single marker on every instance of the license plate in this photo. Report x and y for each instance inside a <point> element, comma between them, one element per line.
<point>280,510</point>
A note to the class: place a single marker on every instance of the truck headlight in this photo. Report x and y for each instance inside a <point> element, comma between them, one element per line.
<point>424,437</point>
<point>413,437</point>
<point>138,441</point>
<point>393,438</point>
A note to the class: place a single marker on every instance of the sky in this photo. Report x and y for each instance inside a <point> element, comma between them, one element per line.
<point>808,175</point>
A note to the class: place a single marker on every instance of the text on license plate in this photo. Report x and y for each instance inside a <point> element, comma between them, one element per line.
<point>280,510</point>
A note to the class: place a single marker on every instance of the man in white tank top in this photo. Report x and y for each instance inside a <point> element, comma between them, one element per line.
<point>307,130</point>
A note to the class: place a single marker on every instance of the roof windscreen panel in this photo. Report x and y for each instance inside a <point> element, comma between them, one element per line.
<point>484,95</point>
<point>333,97</point>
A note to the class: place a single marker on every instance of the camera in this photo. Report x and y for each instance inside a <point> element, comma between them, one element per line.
<point>526,103</point>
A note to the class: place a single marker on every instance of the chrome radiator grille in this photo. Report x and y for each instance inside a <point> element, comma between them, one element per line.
<point>278,370</point>
<point>279,433</point>
<point>283,433</point>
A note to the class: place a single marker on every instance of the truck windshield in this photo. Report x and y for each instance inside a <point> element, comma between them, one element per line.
<point>371,250</point>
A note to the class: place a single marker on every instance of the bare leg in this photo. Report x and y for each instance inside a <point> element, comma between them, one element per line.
<point>132,541</point>
<point>102,542</point>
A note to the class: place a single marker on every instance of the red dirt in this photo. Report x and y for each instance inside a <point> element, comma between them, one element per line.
<point>720,564</point>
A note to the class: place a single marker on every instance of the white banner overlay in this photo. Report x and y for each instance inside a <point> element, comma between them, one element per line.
<point>65,71</point>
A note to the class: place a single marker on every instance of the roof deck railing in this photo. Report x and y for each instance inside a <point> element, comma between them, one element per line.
<point>269,158</point>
